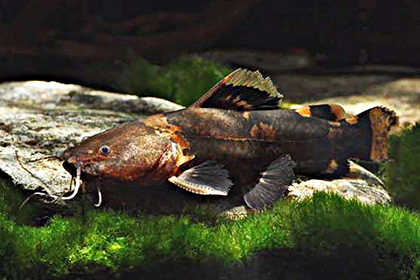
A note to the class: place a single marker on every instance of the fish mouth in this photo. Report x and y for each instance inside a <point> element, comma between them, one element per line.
<point>75,170</point>
<point>71,166</point>
<point>76,173</point>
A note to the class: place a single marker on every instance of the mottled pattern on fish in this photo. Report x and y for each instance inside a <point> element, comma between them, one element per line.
<point>261,136</point>
<point>235,131</point>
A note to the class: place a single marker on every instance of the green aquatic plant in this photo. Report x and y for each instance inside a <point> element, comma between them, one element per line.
<point>141,77</point>
<point>403,176</point>
<point>10,202</point>
<point>192,76</point>
<point>111,242</point>
<point>183,81</point>
<point>329,222</point>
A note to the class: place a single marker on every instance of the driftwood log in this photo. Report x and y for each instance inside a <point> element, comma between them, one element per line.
<point>84,32</point>
<point>91,41</point>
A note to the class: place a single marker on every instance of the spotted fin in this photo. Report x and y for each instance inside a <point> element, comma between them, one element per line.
<point>330,112</point>
<point>273,184</point>
<point>242,90</point>
<point>208,178</point>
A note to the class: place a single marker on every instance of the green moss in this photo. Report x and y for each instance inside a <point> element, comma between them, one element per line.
<point>390,233</point>
<point>10,201</point>
<point>182,81</point>
<point>403,176</point>
<point>141,77</point>
<point>193,76</point>
<point>109,241</point>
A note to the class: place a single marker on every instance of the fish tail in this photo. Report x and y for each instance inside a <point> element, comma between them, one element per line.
<point>371,129</point>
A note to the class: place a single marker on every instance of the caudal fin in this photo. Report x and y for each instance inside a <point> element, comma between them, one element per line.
<point>372,128</point>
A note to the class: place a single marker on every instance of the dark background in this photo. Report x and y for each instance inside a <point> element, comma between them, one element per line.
<point>89,42</point>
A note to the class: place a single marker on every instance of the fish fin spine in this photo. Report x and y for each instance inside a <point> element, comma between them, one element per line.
<point>207,178</point>
<point>242,90</point>
<point>273,183</point>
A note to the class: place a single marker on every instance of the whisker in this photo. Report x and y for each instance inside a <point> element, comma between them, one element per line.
<point>30,197</point>
<point>76,189</point>
<point>43,158</point>
<point>46,188</point>
<point>99,197</point>
<point>71,182</point>
<point>61,197</point>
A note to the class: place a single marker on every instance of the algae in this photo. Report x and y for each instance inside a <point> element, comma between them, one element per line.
<point>10,200</point>
<point>183,81</point>
<point>109,242</point>
<point>403,176</point>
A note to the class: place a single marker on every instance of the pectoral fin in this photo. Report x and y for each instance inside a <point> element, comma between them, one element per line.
<point>208,178</point>
<point>273,183</point>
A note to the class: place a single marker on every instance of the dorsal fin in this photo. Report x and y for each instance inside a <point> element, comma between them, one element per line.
<point>242,90</point>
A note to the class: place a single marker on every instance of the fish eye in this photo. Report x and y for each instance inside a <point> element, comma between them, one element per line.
<point>105,150</point>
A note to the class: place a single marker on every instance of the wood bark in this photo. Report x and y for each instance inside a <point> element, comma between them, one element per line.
<point>154,34</point>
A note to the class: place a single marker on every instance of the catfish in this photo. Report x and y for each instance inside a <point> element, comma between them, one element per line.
<point>234,134</point>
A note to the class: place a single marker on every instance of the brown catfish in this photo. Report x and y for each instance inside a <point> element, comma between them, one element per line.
<point>233,134</point>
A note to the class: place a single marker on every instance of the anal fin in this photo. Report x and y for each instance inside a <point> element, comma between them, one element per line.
<point>273,183</point>
<point>207,178</point>
<point>358,172</point>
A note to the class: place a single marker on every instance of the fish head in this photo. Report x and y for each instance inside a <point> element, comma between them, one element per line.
<point>131,151</point>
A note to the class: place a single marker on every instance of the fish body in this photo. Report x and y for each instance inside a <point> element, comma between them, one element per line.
<point>235,134</point>
<point>263,136</point>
